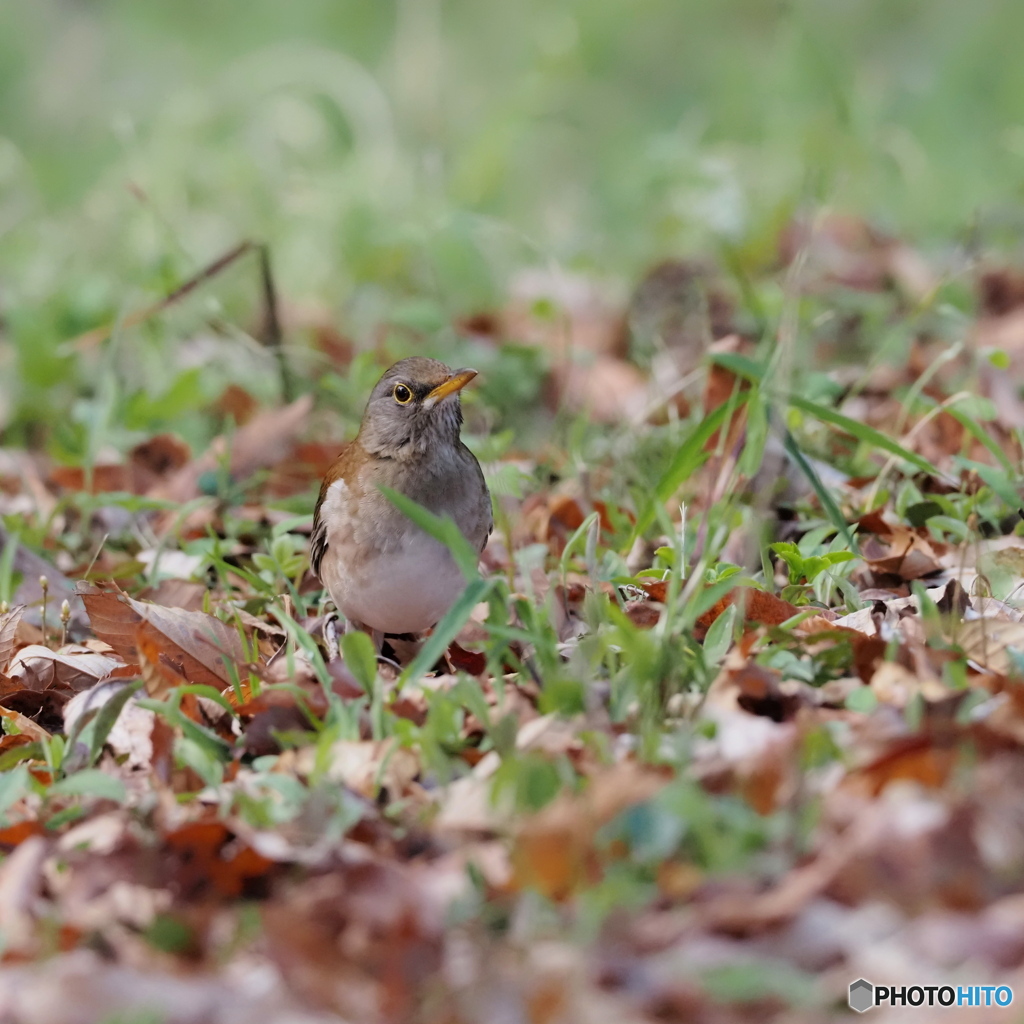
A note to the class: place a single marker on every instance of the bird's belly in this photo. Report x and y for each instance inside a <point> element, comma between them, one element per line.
<point>405,590</point>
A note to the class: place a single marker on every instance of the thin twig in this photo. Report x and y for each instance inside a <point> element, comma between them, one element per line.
<point>271,334</point>
<point>90,339</point>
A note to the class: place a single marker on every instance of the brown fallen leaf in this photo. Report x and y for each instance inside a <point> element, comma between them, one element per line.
<point>905,553</point>
<point>24,726</point>
<point>917,759</point>
<point>461,660</point>
<point>986,641</point>
<point>193,645</point>
<point>609,390</point>
<point>205,858</point>
<point>158,675</point>
<point>8,634</point>
<point>367,767</point>
<point>148,463</point>
<point>868,650</point>
<point>555,851</point>
<point>758,606</point>
<point>265,440</point>
<point>362,941</point>
<point>15,835</point>
<point>71,668</point>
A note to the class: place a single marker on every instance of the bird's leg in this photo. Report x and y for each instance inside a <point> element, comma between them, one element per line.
<point>331,638</point>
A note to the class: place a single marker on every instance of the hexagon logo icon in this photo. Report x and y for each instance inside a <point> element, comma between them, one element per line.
<point>862,995</point>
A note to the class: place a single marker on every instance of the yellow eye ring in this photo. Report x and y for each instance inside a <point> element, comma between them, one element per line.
<point>402,394</point>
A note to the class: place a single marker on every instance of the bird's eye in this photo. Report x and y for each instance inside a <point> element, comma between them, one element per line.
<point>403,396</point>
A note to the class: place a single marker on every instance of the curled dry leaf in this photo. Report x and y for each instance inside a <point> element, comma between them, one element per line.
<point>904,553</point>
<point>8,634</point>
<point>193,645</point>
<point>987,641</point>
<point>71,668</point>
<point>24,726</point>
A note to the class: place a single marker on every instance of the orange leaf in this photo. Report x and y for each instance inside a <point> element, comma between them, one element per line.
<point>554,851</point>
<point>758,606</point>
<point>16,834</point>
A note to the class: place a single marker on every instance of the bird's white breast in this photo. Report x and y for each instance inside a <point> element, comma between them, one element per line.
<point>405,586</point>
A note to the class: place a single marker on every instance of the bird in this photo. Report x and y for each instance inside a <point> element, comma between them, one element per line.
<point>383,572</point>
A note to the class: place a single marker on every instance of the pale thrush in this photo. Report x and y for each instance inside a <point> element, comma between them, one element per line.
<point>384,573</point>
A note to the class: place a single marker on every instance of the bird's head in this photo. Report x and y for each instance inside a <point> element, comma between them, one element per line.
<point>413,407</point>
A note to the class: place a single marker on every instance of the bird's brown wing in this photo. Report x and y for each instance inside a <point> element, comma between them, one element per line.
<point>318,538</point>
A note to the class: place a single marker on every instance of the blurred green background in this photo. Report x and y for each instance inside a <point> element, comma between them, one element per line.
<point>404,158</point>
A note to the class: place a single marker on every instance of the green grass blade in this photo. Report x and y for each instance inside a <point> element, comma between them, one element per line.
<point>446,630</point>
<point>978,432</point>
<point>108,716</point>
<point>828,503</point>
<point>441,528</point>
<point>862,432</point>
<point>687,460</point>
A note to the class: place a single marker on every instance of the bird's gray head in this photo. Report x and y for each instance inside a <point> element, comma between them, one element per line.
<point>414,407</point>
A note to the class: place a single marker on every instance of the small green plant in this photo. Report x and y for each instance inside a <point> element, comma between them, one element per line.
<point>817,569</point>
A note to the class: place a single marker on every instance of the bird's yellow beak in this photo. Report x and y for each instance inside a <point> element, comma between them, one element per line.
<point>456,382</point>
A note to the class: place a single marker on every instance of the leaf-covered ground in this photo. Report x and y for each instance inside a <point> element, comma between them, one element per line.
<point>732,716</point>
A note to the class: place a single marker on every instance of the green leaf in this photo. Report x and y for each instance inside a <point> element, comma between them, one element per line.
<point>920,512</point>
<point>26,752</point>
<point>201,759</point>
<point>446,630</point>
<point>169,934</point>
<point>719,638</point>
<point>827,501</point>
<point>13,786</point>
<point>107,716</point>
<point>570,546</point>
<point>91,782</point>
<point>996,479</point>
<point>210,693</point>
<point>360,657</point>
<point>979,433</point>
<point>862,432</point>
<point>741,366</point>
<point>690,456</point>
<point>862,699</point>
<point>214,746</point>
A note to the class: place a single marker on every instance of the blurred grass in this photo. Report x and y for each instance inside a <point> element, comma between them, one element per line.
<point>404,158</point>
